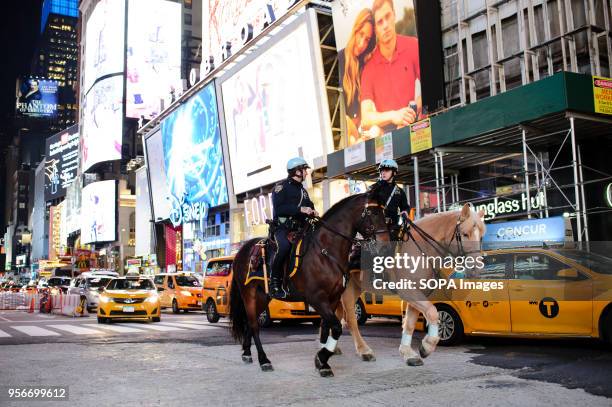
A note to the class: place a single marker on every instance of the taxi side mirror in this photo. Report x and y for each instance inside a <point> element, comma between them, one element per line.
<point>567,274</point>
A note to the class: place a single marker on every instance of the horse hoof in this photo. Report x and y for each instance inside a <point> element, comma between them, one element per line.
<point>337,351</point>
<point>368,358</point>
<point>247,359</point>
<point>318,363</point>
<point>414,362</point>
<point>423,352</point>
<point>267,367</point>
<point>326,373</point>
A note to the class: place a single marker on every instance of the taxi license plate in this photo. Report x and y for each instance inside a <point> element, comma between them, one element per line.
<point>128,309</point>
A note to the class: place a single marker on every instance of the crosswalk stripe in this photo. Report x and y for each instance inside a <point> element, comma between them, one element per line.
<point>34,330</point>
<point>75,329</point>
<point>189,325</point>
<point>4,335</point>
<point>115,328</point>
<point>202,322</point>
<point>155,327</point>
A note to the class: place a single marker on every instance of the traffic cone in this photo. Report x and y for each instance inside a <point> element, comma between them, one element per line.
<point>31,310</point>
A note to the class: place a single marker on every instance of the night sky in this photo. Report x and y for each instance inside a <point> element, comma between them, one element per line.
<point>20,29</point>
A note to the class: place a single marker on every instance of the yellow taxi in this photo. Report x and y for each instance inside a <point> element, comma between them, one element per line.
<point>129,298</point>
<point>180,291</point>
<point>370,305</point>
<point>215,297</point>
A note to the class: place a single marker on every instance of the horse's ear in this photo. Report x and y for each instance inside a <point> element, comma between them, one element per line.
<point>481,214</point>
<point>465,211</point>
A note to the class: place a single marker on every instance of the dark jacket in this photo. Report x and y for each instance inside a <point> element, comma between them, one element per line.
<point>288,197</point>
<point>398,202</point>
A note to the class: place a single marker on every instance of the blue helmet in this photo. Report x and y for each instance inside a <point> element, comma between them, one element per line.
<point>295,163</point>
<point>388,164</point>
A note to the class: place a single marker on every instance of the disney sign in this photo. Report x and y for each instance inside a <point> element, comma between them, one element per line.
<point>186,212</point>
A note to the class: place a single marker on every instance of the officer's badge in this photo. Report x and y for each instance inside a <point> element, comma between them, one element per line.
<point>278,188</point>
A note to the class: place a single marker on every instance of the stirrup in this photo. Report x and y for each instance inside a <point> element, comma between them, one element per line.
<point>277,291</point>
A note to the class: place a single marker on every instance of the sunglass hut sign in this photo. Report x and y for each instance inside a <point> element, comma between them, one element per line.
<point>508,206</point>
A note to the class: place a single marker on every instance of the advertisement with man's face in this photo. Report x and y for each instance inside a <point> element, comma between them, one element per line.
<point>153,56</point>
<point>102,124</point>
<point>273,112</point>
<point>185,161</point>
<point>98,213</point>
<point>104,39</point>
<point>378,58</point>
<point>37,97</point>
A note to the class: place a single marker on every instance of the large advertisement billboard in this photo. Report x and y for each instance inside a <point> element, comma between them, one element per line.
<point>61,162</point>
<point>99,212</point>
<point>382,75</point>
<point>153,55</point>
<point>230,24</point>
<point>185,161</point>
<point>273,110</point>
<point>104,39</point>
<point>102,124</point>
<point>37,97</point>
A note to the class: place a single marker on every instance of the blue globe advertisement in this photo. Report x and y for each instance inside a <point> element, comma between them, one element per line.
<point>193,158</point>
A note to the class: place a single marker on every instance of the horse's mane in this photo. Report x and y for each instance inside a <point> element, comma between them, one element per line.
<point>339,205</point>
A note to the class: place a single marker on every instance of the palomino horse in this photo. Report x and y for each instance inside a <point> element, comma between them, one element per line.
<point>452,230</point>
<point>320,280</point>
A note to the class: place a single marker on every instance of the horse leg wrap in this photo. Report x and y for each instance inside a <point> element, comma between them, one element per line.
<point>330,345</point>
<point>406,340</point>
<point>432,330</point>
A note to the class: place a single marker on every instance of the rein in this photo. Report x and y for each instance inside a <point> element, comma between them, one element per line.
<point>354,240</point>
<point>441,249</point>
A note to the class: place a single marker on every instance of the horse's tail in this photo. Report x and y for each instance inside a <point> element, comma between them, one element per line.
<point>237,313</point>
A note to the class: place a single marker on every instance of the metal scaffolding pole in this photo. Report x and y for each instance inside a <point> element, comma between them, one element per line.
<point>526,170</point>
<point>576,187</point>
<point>538,186</point>
<point>452,186</point>
<point>583,203</point>
<point>544,184</point>
<point>437,181</point>
<point>457,187</point>
<point>417,189</point>
<point>443,182</point>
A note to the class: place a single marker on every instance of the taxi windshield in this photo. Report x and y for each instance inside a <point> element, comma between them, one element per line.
<point>595,262</point>
<point>187,281</point>
<point>97,281</point>
<point>125,284</point>
<point>57,281</point>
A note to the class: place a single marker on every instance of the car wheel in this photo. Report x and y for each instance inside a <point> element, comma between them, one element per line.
<point>264,320</point>
<point>186,311</point>
<point>101,320</point>
<point>211,312</point>
<point>156,319</point>
<point>175,307</point>
<point>606,328</point>
<point>360,312</point>
<point>451,326</point>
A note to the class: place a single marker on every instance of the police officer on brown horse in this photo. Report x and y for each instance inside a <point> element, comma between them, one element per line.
<point>292,206</point>
<point>396,202</point>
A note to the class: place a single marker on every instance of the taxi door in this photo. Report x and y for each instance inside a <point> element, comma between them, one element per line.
<point>480,310</point>
<point>165,298</point>
<point>217,283</point>
<point>550,297</point>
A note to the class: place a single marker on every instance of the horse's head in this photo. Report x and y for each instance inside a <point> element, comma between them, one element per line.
<point>469,232</point>
<point>372,223</point>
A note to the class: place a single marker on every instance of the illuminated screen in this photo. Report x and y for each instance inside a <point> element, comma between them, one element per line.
<point>185,158</point>
<point>102,122</point>
<point>153,55</point>
<point>273,112</point>
<point>104,39</point>
<point>98,212</point>
<point>37,97</point>
<point>61,162</point>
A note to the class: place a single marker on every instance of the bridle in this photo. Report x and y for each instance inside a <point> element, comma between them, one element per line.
<point>439,247</point>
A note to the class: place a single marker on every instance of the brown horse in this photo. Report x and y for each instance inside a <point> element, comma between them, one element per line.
<point>444,229</point>
<point>320,280</point>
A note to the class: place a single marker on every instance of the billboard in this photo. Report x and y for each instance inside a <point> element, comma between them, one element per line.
<point>153,55</point>
<point>273,109</point>
<point>390,68</point>
<point>37,97</point>
<point>99,212</point>
<point>104,39</point>
<point>73,206</point>
<point>524,232</point>
<point>231,24</point>
<point>61,162</point>
<point>185,161</point>
<point>102,124</point>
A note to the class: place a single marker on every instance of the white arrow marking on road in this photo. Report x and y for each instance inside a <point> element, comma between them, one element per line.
<point>155,327</point>
<point>34,330</point>
<point>4,335</point>
<point>77,330</point>
<point>189,325</point>
<point>115,328</point>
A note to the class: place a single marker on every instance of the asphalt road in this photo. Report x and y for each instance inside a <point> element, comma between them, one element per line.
<point>185,360</point>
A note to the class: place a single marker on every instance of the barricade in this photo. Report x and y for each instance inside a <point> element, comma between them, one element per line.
<point>62,304</point>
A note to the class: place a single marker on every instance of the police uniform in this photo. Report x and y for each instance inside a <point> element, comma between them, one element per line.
<point>287,199</point>
<point>395,201</point>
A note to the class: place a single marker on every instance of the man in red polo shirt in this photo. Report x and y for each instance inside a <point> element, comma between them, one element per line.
<point>390,82</point>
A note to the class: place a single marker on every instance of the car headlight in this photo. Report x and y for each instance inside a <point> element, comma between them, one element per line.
<point>104,298</point>
<point>186,293</point>
<point>152,298</point>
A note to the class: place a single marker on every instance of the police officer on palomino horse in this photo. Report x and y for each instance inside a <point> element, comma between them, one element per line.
<point>292,206</point>
<point>396,202</point>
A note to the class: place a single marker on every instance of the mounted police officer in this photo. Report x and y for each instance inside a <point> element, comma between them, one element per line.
<point>394,197</point>
<point>292,206</point>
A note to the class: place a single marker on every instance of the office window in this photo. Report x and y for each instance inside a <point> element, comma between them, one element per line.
<point>187,18</point>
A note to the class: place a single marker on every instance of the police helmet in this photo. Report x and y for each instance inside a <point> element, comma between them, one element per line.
<point>296,163</point>
<point>388,164</point>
